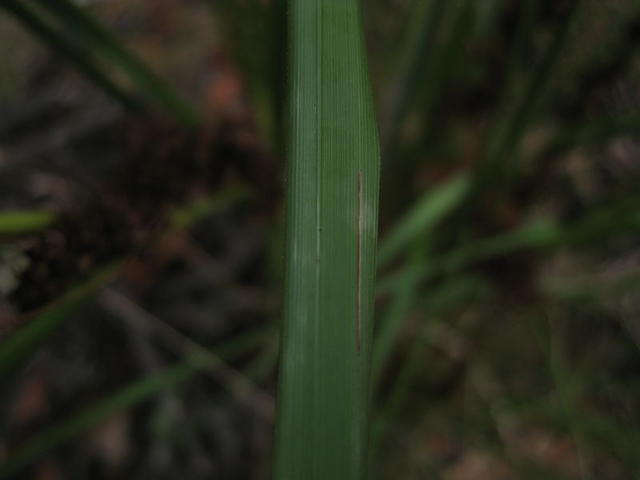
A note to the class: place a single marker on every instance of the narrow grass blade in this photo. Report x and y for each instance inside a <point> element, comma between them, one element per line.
<point>593,132</point>
<point>332,221</point>
<point>238,385</point>
<point>21,343</point>
<point>537,233</point>
<point>419,45</point>
<point>88,30</point>
<point>255,34</point>
<point>609,221</point>
<point>516,54</point>
<point>427,212</point>
<point>186,215</point>
<point>432,74</point>
<point>37,328</point>
<point>592,290</point>
<point>68,429</point>
<point>504,140</point>
<point>30,18</point>
<point>128,397</point>
<point>401,304</point>
<point>19,222</point>
<point>448,58</point>
<point>524,34</point>
<point>441,300</point>
<point>537,83</point>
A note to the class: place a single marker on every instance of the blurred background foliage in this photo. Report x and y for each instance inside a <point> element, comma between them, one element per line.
<point>141,157</point>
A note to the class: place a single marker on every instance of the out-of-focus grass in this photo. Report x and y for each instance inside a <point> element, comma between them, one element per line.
<point>21,344</point>
<point>83,39</point>
<point>37,327</point>
<point>259,50</point>
<point>24,221</point>
<point>30,18</point>
<point>127,397</point>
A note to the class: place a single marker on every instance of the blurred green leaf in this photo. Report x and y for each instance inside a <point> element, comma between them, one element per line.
<point>609,221</point>
<point>20,344</point>
<point>255,33</point>
<point>439,301</point>
<point>24,221</point>
<point>419,52</point>
<point>40,325</point>
<point>593,132</point>
<point>189,214</point>
<point>88,31</point>
<point>85,419</point>
<point>427,212</point>
<point>389,324</point>
<point>505,138</point>
<point>32,20</point>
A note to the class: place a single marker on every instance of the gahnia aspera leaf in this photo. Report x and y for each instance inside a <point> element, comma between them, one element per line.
<point>331,234</point>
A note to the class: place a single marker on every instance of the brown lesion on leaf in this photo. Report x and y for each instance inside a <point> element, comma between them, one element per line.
<point>359,228</point>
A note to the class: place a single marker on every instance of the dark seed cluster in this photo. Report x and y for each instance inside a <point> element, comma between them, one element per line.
<point>165,166</point>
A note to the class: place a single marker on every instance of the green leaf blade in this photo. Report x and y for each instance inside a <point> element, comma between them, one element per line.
<point>332,224</point>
